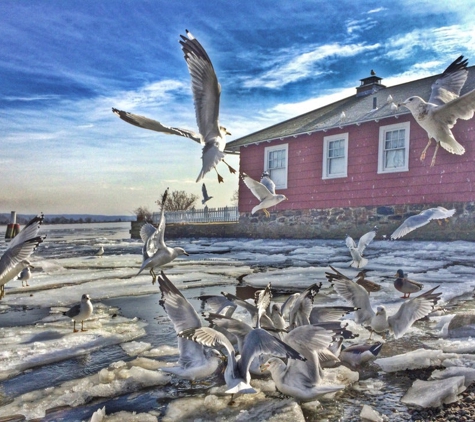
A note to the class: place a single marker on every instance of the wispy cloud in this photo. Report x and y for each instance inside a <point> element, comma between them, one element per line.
<point>295,66</point>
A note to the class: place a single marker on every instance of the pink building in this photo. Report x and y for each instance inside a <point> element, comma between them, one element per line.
<point>355,163</point>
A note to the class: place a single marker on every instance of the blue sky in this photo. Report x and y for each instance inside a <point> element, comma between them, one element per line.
<point>65,64</point>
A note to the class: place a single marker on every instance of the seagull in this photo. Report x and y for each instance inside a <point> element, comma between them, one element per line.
<point>155,252</point>
<point>195,361</point>
<point>357,251</point>
<point>406,286</point>
<point>206,94</point>
<point>267,198</point>
<point>80,312</point>
<point>257,342</point>
<point>421,219</point>
<point>358,354</point>
<point>445,106</point>
<point>25,275</point>
<point>100,252</point>
<point>409,312</point>
<point>15,258</point>
<point>206,197</point>
<point>302,379</point>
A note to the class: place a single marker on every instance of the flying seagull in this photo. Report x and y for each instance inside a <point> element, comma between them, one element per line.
<point>445,106</point>
<point>408,313</point>
<point>206,94</point>
<point>196,362</point>
<point>155,252</point>
<point>421,219</point>
<point>15,258</point>
<point>266,197</point>
<point>357,251</point>
<point>206,197</point>
<point>80,312</point>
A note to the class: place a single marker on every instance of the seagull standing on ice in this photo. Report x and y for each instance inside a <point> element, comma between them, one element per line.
<point>15,258</point>
<point>25,275</point>
<point>445,106</point>
<point>267,198</point>
<point>206,94</point>
<point>80,312</point>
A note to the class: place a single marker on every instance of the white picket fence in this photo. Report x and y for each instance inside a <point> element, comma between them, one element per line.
<point>205,215</point>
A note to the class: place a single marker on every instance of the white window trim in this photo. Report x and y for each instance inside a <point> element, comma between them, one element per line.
<point>389,128</point>
<point>326,142</point>
<point>266,161</point>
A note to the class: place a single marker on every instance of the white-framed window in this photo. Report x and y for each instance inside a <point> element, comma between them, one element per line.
<point>275,162</point>
<point>394,148</point>
<point>335,156</point>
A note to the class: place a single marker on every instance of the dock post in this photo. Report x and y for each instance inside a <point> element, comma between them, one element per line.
<point>12,228</point>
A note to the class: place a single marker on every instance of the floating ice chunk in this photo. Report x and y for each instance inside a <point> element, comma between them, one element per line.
<point>18,353</point>
<point>434,393</point>
<point>245,407</point>
<point>120,378</point>
<point>420,358</point>
<point>98,415</point>
<point>134,348</point>
<point>368,414</point>
<point>124,416</point>
<point>455,371</point>
<point>461,325</point>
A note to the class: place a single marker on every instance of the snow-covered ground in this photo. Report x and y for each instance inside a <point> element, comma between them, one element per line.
<point>45,367</point>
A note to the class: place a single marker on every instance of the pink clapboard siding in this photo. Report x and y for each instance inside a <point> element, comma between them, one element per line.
<point>452,179</point>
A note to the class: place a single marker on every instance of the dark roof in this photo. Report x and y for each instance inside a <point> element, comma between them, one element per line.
<point>356,109</point>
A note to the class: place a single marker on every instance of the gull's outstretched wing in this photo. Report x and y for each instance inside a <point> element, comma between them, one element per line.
<point>412,310</point>
<point>268,183</point>
<point>146,123</point>
<point>183,316</point>
<point>448,86</point>
<point>357,296</point>
<point>20,249</point>
<point>205,86</point>
<point>365,240</point>
<point>258,189</point>
<point>421,219</point>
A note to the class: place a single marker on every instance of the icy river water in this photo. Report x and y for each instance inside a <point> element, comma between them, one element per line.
<point>48,373</point>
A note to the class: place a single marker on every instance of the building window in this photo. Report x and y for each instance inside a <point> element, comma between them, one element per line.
<point>394,148</point>
<point>335,156</point>
<point>276,164</point>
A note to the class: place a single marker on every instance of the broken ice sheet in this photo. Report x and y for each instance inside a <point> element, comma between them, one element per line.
<point>52,340</point>
<point>118,379</point>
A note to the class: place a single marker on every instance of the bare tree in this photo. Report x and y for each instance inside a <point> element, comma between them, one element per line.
<point>179,200</point>
<point>235,198</point>
<point>143,214</point>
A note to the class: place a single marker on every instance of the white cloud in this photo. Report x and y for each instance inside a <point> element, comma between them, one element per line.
<point>377,10</point>
<point>300,65</point>
<point>439,40</point>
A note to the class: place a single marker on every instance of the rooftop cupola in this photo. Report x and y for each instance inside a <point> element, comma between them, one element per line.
<point>369,85</point>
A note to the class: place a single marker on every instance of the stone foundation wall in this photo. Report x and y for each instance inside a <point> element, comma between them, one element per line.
<point>333,223</point>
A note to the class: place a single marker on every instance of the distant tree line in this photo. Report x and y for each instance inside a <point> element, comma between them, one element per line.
<point>4,220</point>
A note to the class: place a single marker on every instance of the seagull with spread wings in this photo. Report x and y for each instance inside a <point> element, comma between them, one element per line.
<point>206,197</point>
<point>155,252</point>
<point>268,198</point>
<point>408,313</point>
<point>206,95</point>
<point>445,106</point>
<point>357,251</point>
<point>15,258</point>
<point>421,219</point>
